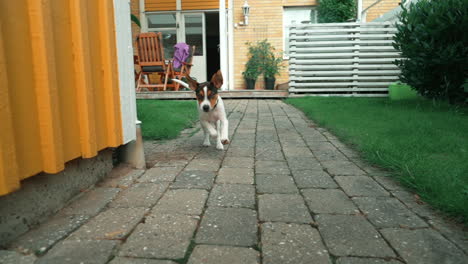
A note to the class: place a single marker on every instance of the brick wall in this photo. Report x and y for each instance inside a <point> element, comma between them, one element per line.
<point>379,9</point>
<point>265,22</point>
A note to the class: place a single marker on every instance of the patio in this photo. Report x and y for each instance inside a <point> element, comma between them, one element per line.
<point>285,191</point>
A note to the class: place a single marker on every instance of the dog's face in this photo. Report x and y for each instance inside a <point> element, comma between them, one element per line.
<point>207,92</point>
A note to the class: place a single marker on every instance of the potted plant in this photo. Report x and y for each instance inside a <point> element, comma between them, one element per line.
<point>251,73</point>
<point>271,68</point>
<point>252,67</point>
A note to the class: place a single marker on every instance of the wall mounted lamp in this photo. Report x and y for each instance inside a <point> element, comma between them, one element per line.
<point>245,11</point>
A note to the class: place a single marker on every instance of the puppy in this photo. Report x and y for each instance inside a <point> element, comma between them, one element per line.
<point>210,108</point>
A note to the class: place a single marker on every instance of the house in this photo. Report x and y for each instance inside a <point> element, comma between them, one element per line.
<point>221,42</point>
<point>67,98</point>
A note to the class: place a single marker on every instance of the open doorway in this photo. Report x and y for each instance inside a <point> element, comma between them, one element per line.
<point>212,43</point>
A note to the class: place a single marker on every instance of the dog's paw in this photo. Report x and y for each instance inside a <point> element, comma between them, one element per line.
<point>225,141</point>
<point>219,147</point>
<point>206,144</point>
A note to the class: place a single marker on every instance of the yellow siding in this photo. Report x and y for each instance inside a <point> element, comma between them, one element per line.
<point>160,5</point>
<point>170,5</point>
<point>59,96</point>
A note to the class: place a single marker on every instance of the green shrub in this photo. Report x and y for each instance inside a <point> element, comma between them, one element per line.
<point>434,44</point>
<point>330,11</point>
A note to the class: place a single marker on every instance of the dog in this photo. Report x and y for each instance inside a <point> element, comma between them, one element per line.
<point>210,108</point>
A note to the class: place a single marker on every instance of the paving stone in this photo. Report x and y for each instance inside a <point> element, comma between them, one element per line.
<point>292,243</point>
<point>352,235</point>
<point>203,165</point>
<point>414,203</point>
<point>298,142</point>
<point>329,201</point>
<point>423,246</point>
<point>313,179</point>
<point>120,260</point>
<point>341,167</point>
<point>80,251</point>
<point>388,183</point>
<point>388,212</point>
<point>209,154</point>
<point>228,226</point>
<point>303,163</point>
<point>232,195</point>
<point>194,180</point>
<point>235,175</point>
<point>172,163</point>
<point>161,236</point>
<point>271,167</point>
<point>121,177</point>
<point>353,260</point>
<point>283,208</point>
<point>46,235</point>
<point>312,138</point>
<point>323,155</point>
<point>360,186</point>
<point>206,254</point>
<point>455,232</point>
<point>240,152</point>
<point>91,202</point>
<point>114,223</point>
<point>297,151</point>
<point>182,201</point>
<point>275,183</point>
<point>13,257</point>
<point>160,174</point>
<point>238,162</point>
<point>272,152</point>
<point>140,195</point>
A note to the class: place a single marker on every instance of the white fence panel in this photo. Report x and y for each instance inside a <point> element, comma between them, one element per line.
<point>342,59</point>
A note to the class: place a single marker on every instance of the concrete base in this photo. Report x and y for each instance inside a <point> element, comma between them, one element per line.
<point>133,152</point>
<point>44,194</point>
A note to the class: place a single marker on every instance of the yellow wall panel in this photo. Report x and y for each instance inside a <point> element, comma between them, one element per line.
<point>170,5</point>
<point>160,5</point>
<point>59,85</point>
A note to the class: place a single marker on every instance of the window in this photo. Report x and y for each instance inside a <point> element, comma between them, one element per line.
<point>296,15</point>
<point>166,24</point>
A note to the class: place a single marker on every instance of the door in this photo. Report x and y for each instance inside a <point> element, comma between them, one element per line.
<point>193,33</point>
<point>182,27</point>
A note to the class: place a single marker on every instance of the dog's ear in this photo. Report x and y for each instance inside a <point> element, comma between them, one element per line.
<point>192,83</point>
<point>217,79</point>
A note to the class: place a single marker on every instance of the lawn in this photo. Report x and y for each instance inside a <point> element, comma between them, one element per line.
<point>424,144</point>
<point>165,119</point>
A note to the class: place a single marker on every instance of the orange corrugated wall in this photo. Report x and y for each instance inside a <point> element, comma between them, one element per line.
<point>170,5</point>
<point>59,93</point>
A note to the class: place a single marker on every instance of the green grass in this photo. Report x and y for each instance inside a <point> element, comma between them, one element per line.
<point>165,119</point>
<point>424,144</point>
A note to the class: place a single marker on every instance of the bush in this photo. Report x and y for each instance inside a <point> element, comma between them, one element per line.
<point>433,41</point>
<point>330,11</point>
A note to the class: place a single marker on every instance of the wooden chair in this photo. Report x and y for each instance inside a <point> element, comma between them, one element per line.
<point>184,70</point>
<point>151,60</point>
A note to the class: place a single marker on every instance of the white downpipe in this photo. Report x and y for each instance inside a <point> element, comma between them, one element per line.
<point>143,20</point>
<point>223,43</point>
<point>231,44</point>
<point>359,11</point>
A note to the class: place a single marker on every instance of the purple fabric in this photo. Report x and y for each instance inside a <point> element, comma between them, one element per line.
<point>181,53</point>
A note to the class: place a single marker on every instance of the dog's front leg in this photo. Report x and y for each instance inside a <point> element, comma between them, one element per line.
<point>219,145</point>
<point>206,142</point>
<point>224,132</point>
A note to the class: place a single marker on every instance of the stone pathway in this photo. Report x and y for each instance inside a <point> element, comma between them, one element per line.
<point>285,191</point>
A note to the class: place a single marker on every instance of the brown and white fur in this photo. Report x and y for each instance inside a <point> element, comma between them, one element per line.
<point>211,109</point>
